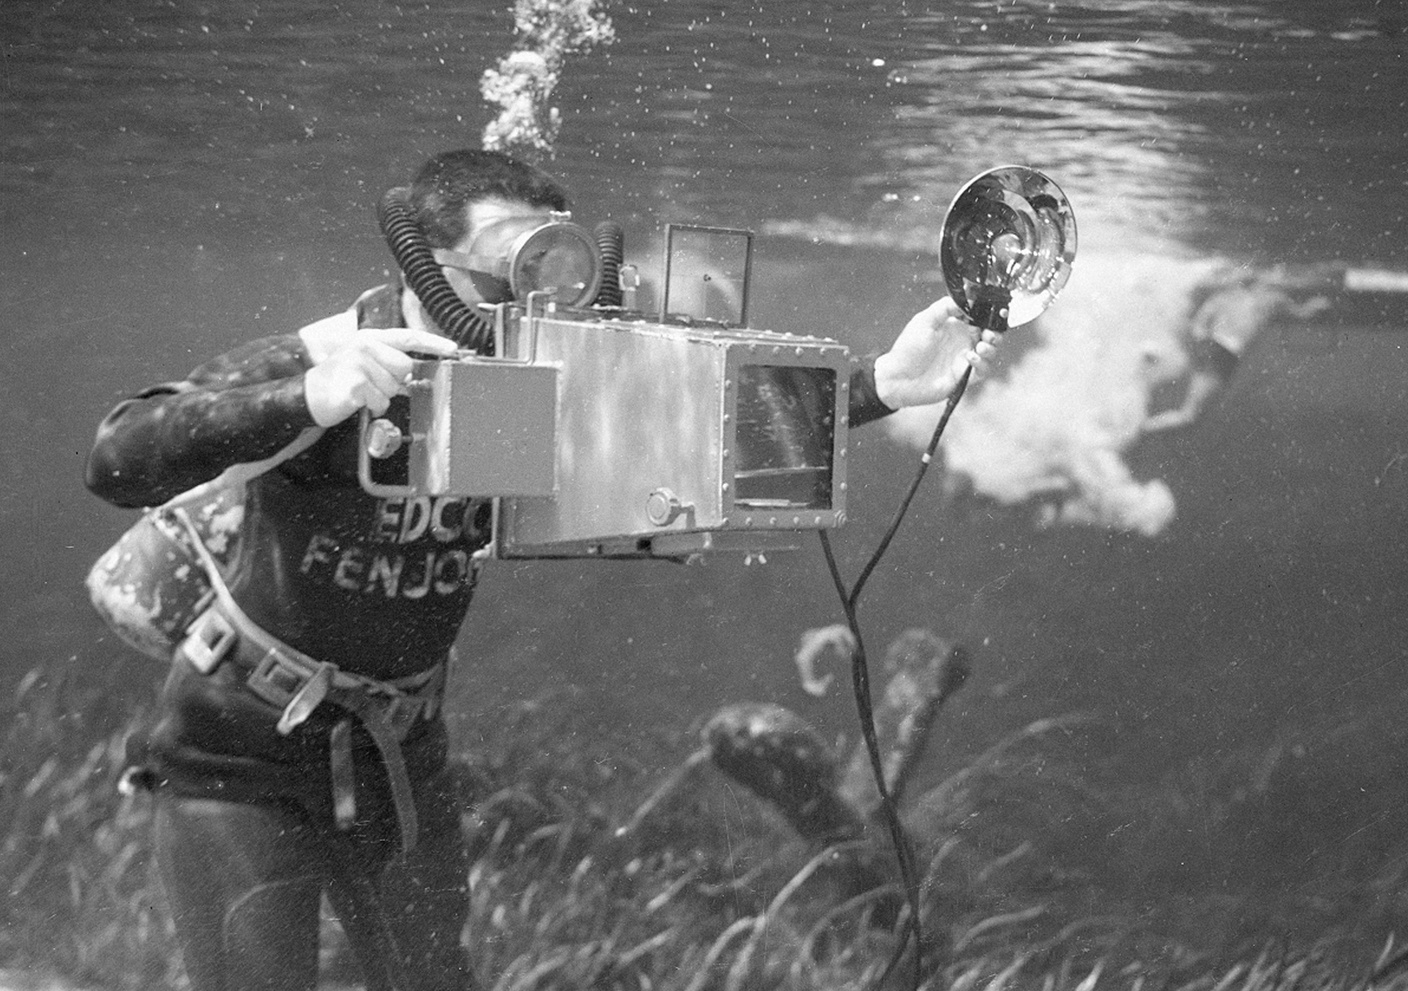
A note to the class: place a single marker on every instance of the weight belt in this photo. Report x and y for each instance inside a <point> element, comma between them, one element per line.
<point>297,684</point>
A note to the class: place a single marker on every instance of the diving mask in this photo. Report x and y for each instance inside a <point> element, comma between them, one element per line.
<point>516,256</point>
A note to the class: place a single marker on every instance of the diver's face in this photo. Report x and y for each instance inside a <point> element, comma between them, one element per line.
<point>479,216</point>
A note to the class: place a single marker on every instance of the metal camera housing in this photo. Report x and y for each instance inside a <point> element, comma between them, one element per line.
<point>613,433</point>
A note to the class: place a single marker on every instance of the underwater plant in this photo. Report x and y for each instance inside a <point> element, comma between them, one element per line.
<point>82,899</point>
<point>1030,880</point>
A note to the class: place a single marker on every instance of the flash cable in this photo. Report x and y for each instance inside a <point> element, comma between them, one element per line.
<point>860,685</point>
<point>1006,249</point>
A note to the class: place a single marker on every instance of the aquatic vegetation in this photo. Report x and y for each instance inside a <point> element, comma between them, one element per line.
<point>817,644</point>
<point>1031,878</point>
<point>82,899</point>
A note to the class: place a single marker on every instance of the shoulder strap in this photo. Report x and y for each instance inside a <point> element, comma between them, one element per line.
<point>241,473</point>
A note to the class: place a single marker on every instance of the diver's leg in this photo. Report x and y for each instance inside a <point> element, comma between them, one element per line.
<point>405,916</point>
<point>243,882</point>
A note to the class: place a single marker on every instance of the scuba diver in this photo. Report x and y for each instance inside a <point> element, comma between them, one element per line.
<point>1220,331</point>
<point>299,747</point>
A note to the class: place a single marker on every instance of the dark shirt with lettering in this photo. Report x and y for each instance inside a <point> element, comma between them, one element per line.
<point>377,585</point>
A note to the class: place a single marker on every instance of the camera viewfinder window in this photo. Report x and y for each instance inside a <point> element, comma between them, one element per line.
<point>785,437</point>
<point>706,274</point>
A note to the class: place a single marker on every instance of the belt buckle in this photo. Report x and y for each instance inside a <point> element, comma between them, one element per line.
<point>276,679</point>
<point>208,639</point>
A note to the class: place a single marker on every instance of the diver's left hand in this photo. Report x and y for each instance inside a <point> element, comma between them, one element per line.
<point>930,355</point>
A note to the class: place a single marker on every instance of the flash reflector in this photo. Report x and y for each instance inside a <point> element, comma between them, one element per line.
<point>1008,241</point>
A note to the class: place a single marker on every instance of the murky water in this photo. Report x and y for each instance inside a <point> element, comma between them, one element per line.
<point>176,176</point>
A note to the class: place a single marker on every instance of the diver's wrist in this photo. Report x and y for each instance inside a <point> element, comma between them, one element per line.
<point>889,387</point>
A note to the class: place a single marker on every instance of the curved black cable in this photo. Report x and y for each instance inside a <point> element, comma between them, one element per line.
<point>924,462</point>
<point>860,684</point>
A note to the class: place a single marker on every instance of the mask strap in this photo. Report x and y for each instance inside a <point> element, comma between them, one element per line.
<point>469,263</point>
<point>490,277</point>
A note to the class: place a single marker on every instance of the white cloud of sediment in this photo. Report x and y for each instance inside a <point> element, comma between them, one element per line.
<point>1053,426</point>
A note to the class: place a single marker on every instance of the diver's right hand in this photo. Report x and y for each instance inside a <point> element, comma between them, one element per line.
<point>366,369</point>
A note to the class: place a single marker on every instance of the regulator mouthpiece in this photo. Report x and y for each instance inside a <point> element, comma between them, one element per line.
<point>1007,246</point>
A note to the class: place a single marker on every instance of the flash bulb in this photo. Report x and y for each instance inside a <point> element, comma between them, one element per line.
<point>1007,246</point>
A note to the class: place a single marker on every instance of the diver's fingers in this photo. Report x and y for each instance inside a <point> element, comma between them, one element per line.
<point>365,376</point>
<point>384,363</point>
<point>945,309</point>
<point>979,358</point>
<point>409,339</point>
<point>376,395</point>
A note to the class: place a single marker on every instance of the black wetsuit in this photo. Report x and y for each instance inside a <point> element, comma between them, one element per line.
<point>246,835</point>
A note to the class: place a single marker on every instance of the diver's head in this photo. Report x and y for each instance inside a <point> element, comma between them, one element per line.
<point>494,226</point>
<point>459,195</point>
<point>448,184</point>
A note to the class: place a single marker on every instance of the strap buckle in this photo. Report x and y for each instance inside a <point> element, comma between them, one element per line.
<point>290,686</point>
<point>208,639</point>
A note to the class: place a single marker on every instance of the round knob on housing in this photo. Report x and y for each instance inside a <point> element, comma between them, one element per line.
<point>384,438</point>
<point>663,507</point>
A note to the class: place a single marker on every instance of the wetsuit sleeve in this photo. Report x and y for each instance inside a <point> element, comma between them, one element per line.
<point>242,406</point>
<point>865,404</point>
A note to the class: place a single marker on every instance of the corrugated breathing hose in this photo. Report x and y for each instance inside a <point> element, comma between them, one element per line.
<point>422,273</point>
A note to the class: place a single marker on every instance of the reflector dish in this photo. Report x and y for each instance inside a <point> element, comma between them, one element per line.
<point>1008,242</point>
